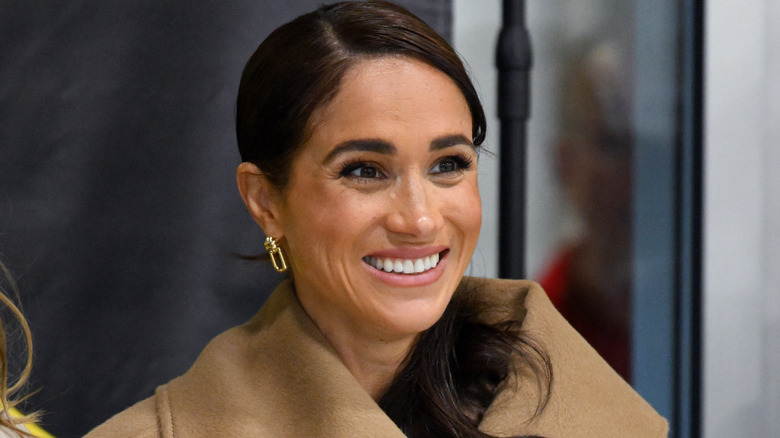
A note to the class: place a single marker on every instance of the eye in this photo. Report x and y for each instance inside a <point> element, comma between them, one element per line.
<point>361,170</point>
<point>450,164</point>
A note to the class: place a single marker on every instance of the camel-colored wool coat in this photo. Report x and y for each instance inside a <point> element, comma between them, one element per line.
<point>276,376</point>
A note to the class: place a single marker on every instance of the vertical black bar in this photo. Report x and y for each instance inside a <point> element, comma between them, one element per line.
<point>688,348</point>
<point>513,59</point>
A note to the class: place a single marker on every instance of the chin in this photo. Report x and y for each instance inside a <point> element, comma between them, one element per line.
<point>416,316</point>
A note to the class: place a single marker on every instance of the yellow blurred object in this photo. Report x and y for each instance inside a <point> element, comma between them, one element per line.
<point>33,428</point>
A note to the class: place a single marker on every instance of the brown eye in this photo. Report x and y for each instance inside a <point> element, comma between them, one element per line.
<point>447,165</point>
<point>368,172</point>
<point>362,170</point>
<point>450,165</point>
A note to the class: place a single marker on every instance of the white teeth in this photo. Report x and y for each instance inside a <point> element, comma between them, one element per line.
<point>404,266</point>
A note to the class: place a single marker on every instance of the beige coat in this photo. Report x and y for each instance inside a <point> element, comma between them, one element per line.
<point>276,376</point>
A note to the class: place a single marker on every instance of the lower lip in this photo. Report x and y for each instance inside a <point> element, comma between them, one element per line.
<point>411,280</point>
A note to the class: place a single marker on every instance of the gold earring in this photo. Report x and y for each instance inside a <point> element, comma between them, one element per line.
<point>277,256</point>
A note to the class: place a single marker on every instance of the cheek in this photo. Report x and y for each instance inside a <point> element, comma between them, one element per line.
<point>465,211</point>
<point>305,214</point>
<point>475,216</point>
<point>327,219</point>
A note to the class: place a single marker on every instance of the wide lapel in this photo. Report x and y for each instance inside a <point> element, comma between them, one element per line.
<point>588,397</point>
<point>274,376</point>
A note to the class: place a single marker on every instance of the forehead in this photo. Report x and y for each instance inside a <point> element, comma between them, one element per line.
<point>377,92</point>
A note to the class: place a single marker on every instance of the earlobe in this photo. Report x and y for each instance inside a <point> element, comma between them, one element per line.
<point>259,197</point>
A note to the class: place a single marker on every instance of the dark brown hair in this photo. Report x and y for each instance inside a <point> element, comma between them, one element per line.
<point>457,366</point>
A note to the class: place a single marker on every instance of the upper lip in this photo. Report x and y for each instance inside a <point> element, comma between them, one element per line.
<point>409,253</point>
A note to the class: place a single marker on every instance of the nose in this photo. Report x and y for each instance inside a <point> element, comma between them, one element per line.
<point>414,211</point>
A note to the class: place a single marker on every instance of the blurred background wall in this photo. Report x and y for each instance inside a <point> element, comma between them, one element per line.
<point>742,228</point>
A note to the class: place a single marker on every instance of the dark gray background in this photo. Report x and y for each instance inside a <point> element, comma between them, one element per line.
<point>118,209</point>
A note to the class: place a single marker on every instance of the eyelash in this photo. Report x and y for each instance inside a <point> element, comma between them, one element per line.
<point>462,163</point>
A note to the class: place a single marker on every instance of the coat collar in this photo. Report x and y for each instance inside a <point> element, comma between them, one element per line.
<point>278,376</point>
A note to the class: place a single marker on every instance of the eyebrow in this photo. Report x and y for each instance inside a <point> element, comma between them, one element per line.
<point>386,148</point>
<point>368,145</point>
<point>449,141</point>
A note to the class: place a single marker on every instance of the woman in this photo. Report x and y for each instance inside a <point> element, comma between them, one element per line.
<point>359,132</point>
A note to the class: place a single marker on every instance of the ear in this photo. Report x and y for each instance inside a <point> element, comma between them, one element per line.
<point>261,199</point>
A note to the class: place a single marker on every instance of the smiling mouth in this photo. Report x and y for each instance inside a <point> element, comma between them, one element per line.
<point>404,266</point>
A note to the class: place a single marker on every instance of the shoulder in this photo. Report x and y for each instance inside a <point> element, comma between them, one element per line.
<point>138,421</point>
<point>586,389</point>
<point>588,397</point>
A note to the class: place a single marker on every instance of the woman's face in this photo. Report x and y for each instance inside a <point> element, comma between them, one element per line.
<point>387,182</point>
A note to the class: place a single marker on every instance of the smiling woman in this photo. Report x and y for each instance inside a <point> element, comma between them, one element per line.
<point>359,132</point>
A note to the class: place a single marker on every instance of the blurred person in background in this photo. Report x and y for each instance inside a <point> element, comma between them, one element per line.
<point>589,278</point>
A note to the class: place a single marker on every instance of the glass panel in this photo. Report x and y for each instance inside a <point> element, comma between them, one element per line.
<point>604,179</point>
<point>586,59</point>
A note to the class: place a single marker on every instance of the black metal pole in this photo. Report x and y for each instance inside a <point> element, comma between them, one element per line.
<point>513,59</point>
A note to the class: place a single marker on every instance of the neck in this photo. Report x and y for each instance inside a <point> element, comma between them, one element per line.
<point>373,357</point>
<point>374,363</point>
